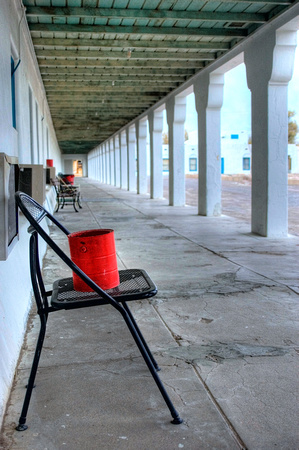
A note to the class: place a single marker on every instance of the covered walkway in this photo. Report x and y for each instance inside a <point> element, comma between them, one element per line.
<point>222,328</point>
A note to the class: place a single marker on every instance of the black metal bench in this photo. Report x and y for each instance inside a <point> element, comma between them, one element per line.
<point>66,194</point>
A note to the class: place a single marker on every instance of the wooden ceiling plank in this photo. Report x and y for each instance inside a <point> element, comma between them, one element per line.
<point>116,63</point>
<point>66,28</point>
<point>94,90</point>
<point>115,71</point>
<point>123,55</point>
<point>127,44</point>
<point>109,13</point>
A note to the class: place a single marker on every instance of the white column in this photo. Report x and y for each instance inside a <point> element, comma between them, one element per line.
<point>112,161</point>
<point>155,121</point>
<point>107,162</point>
<point>102,164</point>
<point>99,163</point>
<point>131,149</point>
<point>176,115</point>
<point>96,163</point>
<point>141,136</point>
<point>123,161</point>
<point>269,66</point>
<point>117,161</point>
<point>208,91</point>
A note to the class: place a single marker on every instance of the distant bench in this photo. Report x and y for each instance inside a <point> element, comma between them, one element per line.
<point>66,194</point>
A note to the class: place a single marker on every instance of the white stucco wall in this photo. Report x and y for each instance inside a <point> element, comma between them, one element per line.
<point>234,148</point>
<point>15,286</point>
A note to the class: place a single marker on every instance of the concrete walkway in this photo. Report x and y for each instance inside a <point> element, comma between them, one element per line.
<point>222,327</point>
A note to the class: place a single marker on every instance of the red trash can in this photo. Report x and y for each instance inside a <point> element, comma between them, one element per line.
<point>49,162</point>
<point>94,252</point>
<point>68,178</point>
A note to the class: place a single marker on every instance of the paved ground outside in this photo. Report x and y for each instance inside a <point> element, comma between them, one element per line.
<point>236,198</point>
<point>223,328</point>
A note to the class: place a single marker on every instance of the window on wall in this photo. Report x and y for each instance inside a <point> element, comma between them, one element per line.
<point>192,164</point>
<point>13,93</point>
<point>246,163</point>
<point>165,165</point>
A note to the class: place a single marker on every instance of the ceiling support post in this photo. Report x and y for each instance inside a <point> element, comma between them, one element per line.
<point>176,116</point>
<point>117,160</point>
<point>141,136</point>
<point>131,153</point>
<point>123,161</point>
<point>107,162</point>
<point>208,91</point>
<point>155,121</point>
<point>269,68</point>
<point>102,164</point>
<point>111,161</point>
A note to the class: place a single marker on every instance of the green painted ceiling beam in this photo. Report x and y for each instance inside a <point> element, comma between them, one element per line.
<point>124,55</point>
<point>157,14</point>
<point>127,44</point>
<point>110,98</point>
<point>126,104</point>
<point>96,72</point>
<point>98,107</point>
<point>124,91</point>
<point>114,63</point>
<point>88,86</point>
<point>167,31</point>
<point>104,124</point>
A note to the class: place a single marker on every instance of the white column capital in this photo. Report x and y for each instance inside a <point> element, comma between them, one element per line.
<point>155,121</point>
<point>141,128</point>
<point>176,109</point>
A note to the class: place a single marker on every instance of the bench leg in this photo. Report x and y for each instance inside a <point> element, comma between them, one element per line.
<point>79,201</point>
<point>74,203</point>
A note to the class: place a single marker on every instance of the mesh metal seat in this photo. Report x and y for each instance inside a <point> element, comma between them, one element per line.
<point>135,284</point>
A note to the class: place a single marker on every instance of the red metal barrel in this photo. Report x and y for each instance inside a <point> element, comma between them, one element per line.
<point>94,252</point>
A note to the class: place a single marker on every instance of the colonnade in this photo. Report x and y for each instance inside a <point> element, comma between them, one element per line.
<point>269,61</point>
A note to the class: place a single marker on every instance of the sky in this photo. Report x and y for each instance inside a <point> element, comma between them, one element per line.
<point>236,109</point>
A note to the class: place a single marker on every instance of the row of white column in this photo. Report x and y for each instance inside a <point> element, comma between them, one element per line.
<point>269,68</point>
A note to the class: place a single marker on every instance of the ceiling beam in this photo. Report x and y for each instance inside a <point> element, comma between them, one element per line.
<point>107,124</point>
<point>72,90</point>
<point>119,86</point>
<point>124,55</point>
<point>109,97</point>
<point>127,44</point>
<point>112,91</point>
<point>116,63</point>
<point>115,71</point>
<point>99,107</point>
<point>114,29</point>
<point>125,104</point>
<point>156,14</point>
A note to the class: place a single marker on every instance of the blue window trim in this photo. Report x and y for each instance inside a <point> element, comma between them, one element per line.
<point>193,160</point>
<point>247,159</point>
